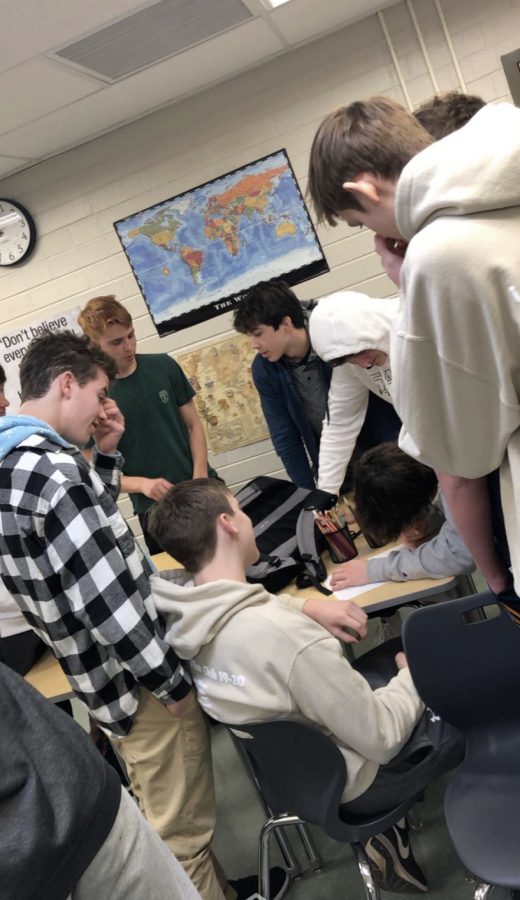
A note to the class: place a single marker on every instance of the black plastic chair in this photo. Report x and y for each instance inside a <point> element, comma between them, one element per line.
<point>302,774</point>
<point>468,672</point>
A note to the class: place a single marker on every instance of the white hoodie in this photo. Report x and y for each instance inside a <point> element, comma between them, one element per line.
<point>456,347</point>
<point>255,658</point>
<point>342,324</point>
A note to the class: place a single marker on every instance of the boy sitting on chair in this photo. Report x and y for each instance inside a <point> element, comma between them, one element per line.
<point>255,659</point>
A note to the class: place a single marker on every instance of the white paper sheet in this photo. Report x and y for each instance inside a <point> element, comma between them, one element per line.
<point>352,592</point>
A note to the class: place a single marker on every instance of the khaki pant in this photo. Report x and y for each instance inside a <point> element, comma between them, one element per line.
<point>168,760</point>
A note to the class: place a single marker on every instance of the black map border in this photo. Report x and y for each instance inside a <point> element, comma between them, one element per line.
<point>226,303</point>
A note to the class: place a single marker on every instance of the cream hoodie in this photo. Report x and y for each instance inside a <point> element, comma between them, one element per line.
<point>456,346</point>
<point>256,658</point>
<point>342,324</point>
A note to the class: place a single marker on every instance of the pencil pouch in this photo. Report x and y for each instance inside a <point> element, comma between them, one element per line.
<point>340,545</point>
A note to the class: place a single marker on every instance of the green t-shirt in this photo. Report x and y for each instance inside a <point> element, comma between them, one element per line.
<point>155,443</point>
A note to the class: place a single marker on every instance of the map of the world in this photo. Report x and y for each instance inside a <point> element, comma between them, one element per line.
<point>194,254</point>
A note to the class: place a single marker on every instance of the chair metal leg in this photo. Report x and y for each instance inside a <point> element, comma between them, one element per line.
<point>291,863</point>
<point>371,888</point>
<point>293,866</point>
<point>271,825</point>
<point>313,855</point>
<point>482,891</point>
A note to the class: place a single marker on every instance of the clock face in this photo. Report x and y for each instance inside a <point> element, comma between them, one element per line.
<point>17,233</point>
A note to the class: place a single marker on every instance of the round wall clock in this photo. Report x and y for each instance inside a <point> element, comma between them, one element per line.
<point>17,233</point>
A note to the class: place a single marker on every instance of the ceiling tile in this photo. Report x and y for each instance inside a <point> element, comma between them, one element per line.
<point>304,20</point>
<point>10,164</point>
<point>40,86</point>
<point>150,89</point>
<point>29,29</point>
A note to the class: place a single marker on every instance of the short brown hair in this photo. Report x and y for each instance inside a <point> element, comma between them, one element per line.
<point>268,303</point>
<point>184,522</point>
<point>377,135</point>
<point>391,491</point>
<point>54,353</point>
<point>100,313</point>
<point>447,112</point>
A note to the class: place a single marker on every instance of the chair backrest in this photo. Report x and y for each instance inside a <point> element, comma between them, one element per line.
<point>299,769</point>
<point>468,672</point>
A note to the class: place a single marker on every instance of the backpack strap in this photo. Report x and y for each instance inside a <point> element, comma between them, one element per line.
<point>315,571</point>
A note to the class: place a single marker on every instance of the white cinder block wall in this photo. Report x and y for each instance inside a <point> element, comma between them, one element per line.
<point>77,196</point>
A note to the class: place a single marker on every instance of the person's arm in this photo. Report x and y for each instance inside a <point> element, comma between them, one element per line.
<point>107,591</point>
<point>347,406</point>
<point>107,460</point>
<point>197,439</point>
<point>443,555</point>
<point>285,435</point>
<point>376,724</point>
<point>345,621</point>
<point>154,488</point>
<point>468,502</point>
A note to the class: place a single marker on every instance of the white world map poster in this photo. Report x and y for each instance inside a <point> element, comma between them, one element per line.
<point>194,255</point>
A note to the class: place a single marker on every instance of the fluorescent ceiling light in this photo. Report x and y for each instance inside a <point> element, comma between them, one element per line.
<point>274,3</point>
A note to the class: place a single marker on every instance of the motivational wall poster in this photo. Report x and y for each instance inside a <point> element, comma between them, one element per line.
<point>13,347</point>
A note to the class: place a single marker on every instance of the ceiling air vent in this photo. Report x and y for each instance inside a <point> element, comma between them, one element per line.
<point>153,34</point>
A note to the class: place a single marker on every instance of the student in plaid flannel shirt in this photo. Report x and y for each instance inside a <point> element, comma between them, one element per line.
<point>70,561</point>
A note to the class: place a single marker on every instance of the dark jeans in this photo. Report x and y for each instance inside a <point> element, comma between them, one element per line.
<point>433,749</point>
<point>508,597</point>
<point>21,651</point>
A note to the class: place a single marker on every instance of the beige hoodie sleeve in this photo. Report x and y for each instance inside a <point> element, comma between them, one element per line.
<point>331,693</point>
<point>292,601</point>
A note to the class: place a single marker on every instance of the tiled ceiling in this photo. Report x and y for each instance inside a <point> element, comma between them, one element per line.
<point>71,70</point>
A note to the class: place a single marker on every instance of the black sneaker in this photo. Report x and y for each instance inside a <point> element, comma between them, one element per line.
<point>392,862</point>
<point>247,888</point>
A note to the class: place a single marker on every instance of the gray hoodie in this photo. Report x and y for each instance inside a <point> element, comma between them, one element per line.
<point>256,658</point>
<point>455,348</point>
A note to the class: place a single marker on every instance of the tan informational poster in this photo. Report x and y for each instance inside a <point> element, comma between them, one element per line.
<point>227,401</point>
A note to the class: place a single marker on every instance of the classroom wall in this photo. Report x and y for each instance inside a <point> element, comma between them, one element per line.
<point>77,196</point>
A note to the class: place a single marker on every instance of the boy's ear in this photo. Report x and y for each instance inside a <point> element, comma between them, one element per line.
<point>365,186</point>
<point>66,382</point>
<point>227,524</point>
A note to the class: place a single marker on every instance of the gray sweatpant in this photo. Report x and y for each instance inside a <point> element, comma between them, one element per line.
<point>133,863</point>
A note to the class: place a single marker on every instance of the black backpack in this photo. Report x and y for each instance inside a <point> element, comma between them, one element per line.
<point>286,536</point>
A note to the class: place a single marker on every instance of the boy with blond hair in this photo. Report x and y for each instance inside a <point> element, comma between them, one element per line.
<point>164,441</point>
<point>452,210</point>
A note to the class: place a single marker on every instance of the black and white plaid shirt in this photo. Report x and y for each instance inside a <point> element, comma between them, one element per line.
<point>69,559</point>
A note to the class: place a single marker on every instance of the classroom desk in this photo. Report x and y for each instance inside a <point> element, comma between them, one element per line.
<point>390,594</point>
<point>47,677</point>
<point>373,599</point>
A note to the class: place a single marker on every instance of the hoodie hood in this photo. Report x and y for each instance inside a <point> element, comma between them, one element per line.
<point>487,153</point>
<point>348,322</point>
<point>196,613</point>
<point>14,430</point>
